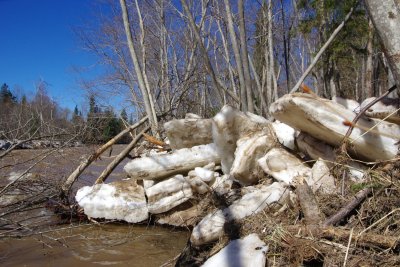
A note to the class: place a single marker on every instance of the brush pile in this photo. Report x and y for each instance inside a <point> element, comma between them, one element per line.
<point>254,190</point>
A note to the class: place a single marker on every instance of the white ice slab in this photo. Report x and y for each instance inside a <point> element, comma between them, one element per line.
<point>168,194</point>
<point>189,132</point>
<point>326,120</point>
<point>245,168</point>
<point>286,135</point>
<point>387,107</point>
<point>283,166</point>
<point>123,200</point>
<point>229,125</point>
<point>211,227</point>
<point>248,251</point>
<point>166,165</point>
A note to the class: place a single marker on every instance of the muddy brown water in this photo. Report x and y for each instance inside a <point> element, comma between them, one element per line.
<point>106,244</point>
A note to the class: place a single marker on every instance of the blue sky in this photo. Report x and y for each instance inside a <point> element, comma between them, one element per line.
<point>37,42</point>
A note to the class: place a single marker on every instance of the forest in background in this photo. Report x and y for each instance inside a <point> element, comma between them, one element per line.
<point>196,56</point>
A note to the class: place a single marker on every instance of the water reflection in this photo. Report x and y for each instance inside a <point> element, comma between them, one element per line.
<point>93,245</point>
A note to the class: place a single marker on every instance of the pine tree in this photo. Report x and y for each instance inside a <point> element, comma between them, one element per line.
<point>124,115</point>
<point>5,95</point>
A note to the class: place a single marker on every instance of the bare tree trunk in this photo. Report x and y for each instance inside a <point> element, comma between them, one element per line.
<point>385,16</point>
<point>263,105</point>
<point>214,80</point>
<point>271,53</point>
<point>146,80</point>
<point>235,46</point>
<point>321,51</point>
<point>369,89</point>
<point>227,58</point>
<point>245,59</point>
<point>138,70</point>
<point>285,47</point>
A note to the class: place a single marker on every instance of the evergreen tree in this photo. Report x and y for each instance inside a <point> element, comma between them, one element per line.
<point>320,19</point>
<point>124,115</point>
<point>92,104</point>
<point>131,119</point>
<point>76,111</point>
<point>5,95</point>
<point>24,102</point>
<point>111,125</point>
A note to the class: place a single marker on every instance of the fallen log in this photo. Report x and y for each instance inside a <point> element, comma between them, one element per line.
<point>103,176</point>
<point>308,203</point>
<point>85,163</point>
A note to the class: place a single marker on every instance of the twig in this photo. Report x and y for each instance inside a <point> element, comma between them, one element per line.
<point>346,210</point>
<point>376,125</point>
<point>378,221</point>
<point>348,247</point>
<point>343,148</point>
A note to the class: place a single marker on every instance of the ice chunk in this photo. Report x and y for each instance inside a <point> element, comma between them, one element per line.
<point>245,168</point>
<point>283,166</point>
<point>326,120</point>
<point>347,103</point>
<point>387,107</point>
<point>285,134</point>
<point>168,194</point>
<point>123,200</point>
<point>188,132</point>
<point>248,251</point>
<point>178,162</point>
<point>228,126</point>
<point>211,227</point>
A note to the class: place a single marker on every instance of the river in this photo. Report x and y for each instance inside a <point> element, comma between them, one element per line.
<point>82,244</point>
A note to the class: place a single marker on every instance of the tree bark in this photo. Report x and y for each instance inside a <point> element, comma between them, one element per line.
<point>144,73</point>
<point>138,70</point>
<point>245,59</point>
<point>235,46</point>
<point>385,16</point>
<point>209,67</point>
<point>369,89</point>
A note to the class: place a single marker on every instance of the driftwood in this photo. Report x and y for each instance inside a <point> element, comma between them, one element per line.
<point>346,210</point>
<point>85,163</point>
<point>366,240</point>
<point>308,204</point>
<point>103,176</point>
